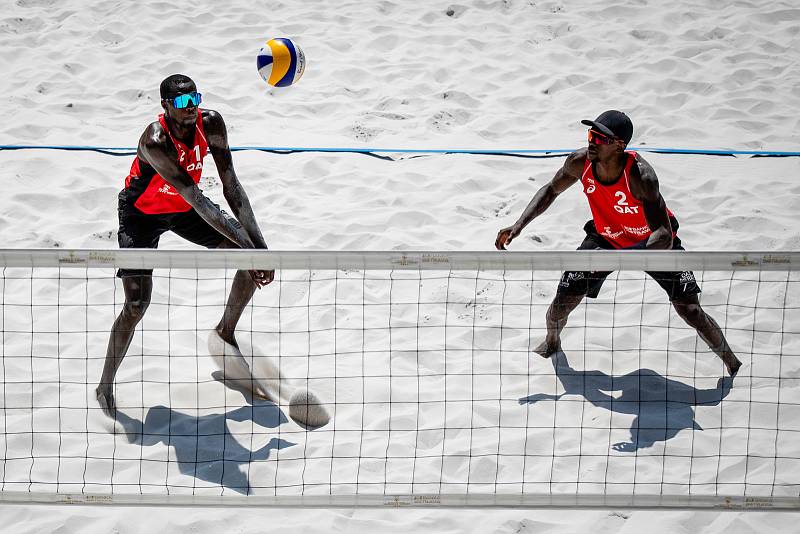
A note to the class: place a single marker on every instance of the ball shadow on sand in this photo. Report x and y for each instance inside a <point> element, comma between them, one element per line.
<point>204,446</point>
<point>662,406</point>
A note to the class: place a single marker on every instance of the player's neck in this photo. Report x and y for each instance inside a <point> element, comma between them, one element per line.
<point>610,170</point>
<point>184,134</point>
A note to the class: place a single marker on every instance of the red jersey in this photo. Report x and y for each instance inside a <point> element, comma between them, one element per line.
<point>149,192</point>
<point>618,215</point>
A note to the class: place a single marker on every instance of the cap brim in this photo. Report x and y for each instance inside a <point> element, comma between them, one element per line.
<point>599,127</point>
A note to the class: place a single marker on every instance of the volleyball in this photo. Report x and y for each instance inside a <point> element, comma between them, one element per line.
<point>281,62</point>
<point>305,408</point>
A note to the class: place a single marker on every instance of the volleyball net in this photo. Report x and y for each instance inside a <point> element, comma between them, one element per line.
<point>424,363</point>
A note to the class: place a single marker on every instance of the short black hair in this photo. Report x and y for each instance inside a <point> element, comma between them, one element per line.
<point>176,84</point>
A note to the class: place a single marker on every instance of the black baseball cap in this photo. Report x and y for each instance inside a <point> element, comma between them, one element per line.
<point>614,123</point>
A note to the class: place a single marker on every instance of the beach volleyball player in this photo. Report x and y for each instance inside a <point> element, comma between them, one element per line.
<point>628,212</point>
<point>160,195</point>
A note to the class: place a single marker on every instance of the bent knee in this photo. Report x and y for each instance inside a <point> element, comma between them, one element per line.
<point>563,305</point>
<point>689,311</point>
<point>136,308</point>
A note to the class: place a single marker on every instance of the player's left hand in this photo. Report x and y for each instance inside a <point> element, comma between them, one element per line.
<point>262,278</point>
<point>505,236</point>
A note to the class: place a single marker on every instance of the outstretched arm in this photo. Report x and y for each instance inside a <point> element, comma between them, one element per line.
<point>644,186</point>
<point>155,149</point>
<point>564,178</point>
<point>235,194</point>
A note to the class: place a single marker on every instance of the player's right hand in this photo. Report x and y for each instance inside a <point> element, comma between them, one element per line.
<point>262,278</point>
<point>505,236</point>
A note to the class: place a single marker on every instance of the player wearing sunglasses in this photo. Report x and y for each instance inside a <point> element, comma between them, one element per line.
<point>628,212</point>
<point>161,194</point>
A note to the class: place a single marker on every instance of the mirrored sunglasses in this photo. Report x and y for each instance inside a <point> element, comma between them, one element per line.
<point>184,101</point>
<point>600,139</point>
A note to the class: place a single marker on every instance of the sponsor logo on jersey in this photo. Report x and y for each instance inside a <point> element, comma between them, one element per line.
<point>609,233</point>
<point>640,231</point>
<point>167,190</point>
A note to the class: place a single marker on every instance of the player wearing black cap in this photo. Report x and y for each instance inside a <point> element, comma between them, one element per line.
<point>628,212</point>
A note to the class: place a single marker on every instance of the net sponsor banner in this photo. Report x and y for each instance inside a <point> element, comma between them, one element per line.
<point>479,500</point>
<point>656,260</point>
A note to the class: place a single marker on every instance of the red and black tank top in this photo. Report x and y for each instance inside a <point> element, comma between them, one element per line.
<point>618,215</point>
<point>149,192</point>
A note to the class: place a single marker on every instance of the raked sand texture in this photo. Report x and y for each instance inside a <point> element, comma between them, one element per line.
<point>486,75</point>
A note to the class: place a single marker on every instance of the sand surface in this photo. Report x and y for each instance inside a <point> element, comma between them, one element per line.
<point>485,75</point>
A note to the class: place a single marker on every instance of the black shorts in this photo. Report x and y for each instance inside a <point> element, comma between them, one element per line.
<point>677,284</point>
<point>141,230</point>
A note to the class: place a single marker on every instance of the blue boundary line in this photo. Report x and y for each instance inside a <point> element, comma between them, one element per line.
<point>555,152</point>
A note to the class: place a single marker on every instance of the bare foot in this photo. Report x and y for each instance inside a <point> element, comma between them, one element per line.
<point>105,397</point>
<point>547,348</point>
<point>732,363</point>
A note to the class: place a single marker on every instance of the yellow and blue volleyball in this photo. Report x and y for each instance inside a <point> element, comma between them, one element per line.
<point>281,62</point>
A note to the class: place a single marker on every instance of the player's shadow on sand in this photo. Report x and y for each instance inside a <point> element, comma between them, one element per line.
<point>204,446</point>
<point>663,407</point>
